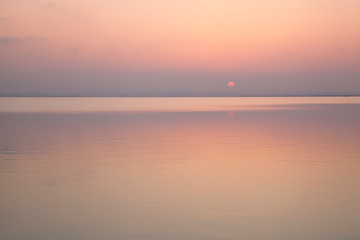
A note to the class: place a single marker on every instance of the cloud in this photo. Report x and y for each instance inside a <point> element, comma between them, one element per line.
<point>33,38</point>
<point>65,12</point>
<point>6,41</point>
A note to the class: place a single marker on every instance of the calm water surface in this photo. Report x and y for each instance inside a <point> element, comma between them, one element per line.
<point>180,168</point>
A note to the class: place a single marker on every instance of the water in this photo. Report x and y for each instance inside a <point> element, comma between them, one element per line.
<point>180,168</point>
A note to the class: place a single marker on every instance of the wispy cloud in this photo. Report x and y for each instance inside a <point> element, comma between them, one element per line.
<point>6,41</point>
<point>67,11</point>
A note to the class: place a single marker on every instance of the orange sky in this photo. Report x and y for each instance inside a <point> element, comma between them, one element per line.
<point>197,35</point>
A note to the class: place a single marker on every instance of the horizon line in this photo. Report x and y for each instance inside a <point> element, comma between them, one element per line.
<point>180,96</point>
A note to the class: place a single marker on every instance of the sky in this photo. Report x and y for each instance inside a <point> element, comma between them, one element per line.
<point>179,48</point>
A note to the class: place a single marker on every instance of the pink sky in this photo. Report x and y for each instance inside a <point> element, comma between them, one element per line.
<point>240,40</point>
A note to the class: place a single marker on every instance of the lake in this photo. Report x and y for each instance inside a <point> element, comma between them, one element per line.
<point>180,168</point>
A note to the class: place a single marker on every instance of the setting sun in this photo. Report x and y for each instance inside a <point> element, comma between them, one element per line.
<point>231,84</point>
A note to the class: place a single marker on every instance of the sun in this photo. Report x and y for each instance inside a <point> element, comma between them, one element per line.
<point>231,84</point>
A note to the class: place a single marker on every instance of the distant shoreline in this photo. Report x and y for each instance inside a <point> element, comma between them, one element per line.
<point>149,96</point>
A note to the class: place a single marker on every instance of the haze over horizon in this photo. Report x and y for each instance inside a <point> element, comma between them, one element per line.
<point>179,48</point>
